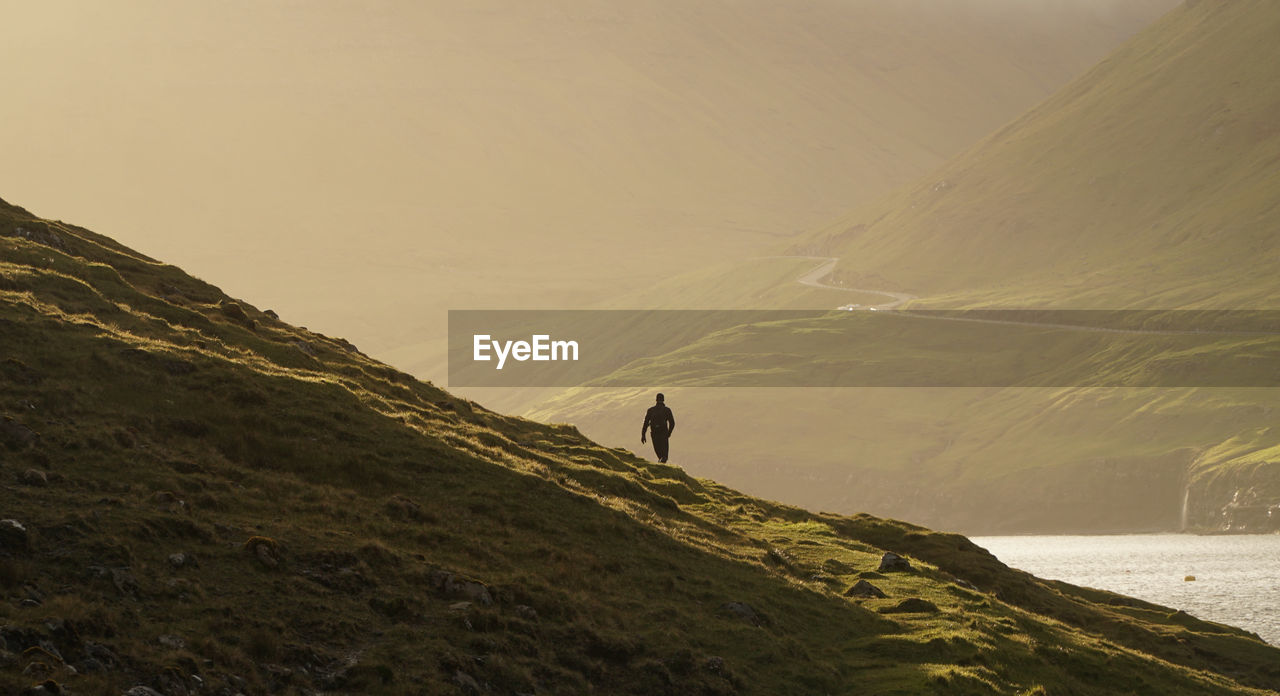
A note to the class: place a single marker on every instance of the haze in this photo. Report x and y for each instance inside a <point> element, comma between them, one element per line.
<point>363,167</point>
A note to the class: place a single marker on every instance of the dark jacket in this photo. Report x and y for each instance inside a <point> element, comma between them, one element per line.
<point>659,419</point>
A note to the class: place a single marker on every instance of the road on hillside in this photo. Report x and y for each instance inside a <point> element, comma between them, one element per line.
<point>814,278</point>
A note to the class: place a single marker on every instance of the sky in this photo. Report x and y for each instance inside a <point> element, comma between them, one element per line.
<point>363,167</point>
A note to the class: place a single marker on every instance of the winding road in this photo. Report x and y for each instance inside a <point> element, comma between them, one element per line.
<point>813,278</point>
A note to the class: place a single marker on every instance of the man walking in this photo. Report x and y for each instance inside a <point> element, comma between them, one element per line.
<point>660,423</point>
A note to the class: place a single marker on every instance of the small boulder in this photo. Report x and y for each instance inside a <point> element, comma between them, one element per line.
<point>744,611</point>
<point>142,691</point>
<point>172,642</point>
<point>48,687</point>
<point>911,605</point>
<point>15,435</point>
<point>233,310</point>
<point>264,549</point>
<point>14,537</point>
<point>466,682</point>
<point>454,585</point>
<point>862,588</point>
<point>33,477</point>
<point>961,582</point>
<point>182,560</point>
<point>44,236</point>
<point>893,563</point>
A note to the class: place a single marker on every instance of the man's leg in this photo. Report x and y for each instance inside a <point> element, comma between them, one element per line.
<point>660,448</point>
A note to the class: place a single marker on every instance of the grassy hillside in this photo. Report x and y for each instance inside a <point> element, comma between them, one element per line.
<point>205,498</point>
<point>1149,181</point>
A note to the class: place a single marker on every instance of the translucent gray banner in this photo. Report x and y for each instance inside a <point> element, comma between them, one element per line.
<point>864,348</point>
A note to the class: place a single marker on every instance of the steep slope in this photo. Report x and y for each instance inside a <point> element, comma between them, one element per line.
<point>498,151</point>
<point>1150,181</point>
<point>206,499</point>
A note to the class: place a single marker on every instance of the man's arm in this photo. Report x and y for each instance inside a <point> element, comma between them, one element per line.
<point>671,422</point>
<point>644,428</point>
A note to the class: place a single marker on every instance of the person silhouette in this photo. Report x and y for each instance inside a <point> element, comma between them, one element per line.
<point>660,423</point>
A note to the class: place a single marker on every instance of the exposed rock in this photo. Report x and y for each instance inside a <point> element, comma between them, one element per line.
<point>233,310</point>
<point>526,612</point>
<point>120,578</point>
<point>453,585</point>
<point>745,612</point>
<point>777,557</point>
<point>37,669</point>
<point>15,435</point>
<point>966,584</point>
<point>43,236</point>
<point>272,313</point>
<point>183,560</point>
<point>44,688</point>
<point>34,477</point>
<point>911,605</point>
<point>304,347</point>
<point>862,588</point>
<point>402,508</point>
<point>14,537</point>
<point>172,642</point>
<point>265,556</point>
<point>265,550</point>
<point>142,691</point>
<point>714,664</point>
<point>466,682</point>
<point>892,563</point>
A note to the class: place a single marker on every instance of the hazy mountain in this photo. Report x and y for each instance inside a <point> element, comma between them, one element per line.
<point>364,166</point>
<point>205,498</point>
<point>1149,181</point>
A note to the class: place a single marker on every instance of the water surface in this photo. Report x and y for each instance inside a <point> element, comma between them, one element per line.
<point>1237,577</point>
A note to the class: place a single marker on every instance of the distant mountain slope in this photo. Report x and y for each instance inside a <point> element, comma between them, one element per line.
<point>1153,180</point>
<point>447,154</point>
<point>202,498</point>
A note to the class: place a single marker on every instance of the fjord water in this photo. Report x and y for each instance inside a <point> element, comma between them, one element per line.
<point>1235,576</point>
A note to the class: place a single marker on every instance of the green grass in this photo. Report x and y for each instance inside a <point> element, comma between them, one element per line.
<point>169,424</point>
